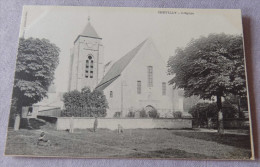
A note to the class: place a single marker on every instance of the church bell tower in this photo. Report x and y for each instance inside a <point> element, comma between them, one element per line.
<point>86,60</point>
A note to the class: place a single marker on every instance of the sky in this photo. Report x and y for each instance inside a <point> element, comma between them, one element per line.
<point>122,29</point>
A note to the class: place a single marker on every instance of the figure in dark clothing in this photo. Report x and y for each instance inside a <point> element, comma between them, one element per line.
<point>42,139</point>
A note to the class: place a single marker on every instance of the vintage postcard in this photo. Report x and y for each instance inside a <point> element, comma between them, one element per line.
<point>102,82</point>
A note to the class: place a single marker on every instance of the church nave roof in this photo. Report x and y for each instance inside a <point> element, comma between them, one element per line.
<point>117,68</point>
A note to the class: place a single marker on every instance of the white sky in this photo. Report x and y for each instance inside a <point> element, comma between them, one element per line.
<point>124,28</point>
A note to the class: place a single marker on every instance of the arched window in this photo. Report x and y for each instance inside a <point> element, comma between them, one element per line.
<point>150,76</point>
<point>89,67</point>
<point>86,69</point>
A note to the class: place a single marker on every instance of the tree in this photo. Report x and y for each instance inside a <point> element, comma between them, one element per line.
<point>210,67</point>
<point>85,103</point>
<point>37,60</point>
<point>240,102</point>
<point>98,103</point>
<point>202,112</point>
<point>72,99</point>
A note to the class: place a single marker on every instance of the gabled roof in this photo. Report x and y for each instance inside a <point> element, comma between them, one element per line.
<point>117,68</point>
<point>88,31</point>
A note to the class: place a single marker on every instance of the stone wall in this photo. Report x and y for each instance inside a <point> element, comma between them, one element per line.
<point>63,123</point>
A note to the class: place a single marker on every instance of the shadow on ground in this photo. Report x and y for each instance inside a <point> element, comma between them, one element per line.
<point>236,140</point>
<point>169,153</point>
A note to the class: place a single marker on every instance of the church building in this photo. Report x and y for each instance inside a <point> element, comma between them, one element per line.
<point>136,81</point>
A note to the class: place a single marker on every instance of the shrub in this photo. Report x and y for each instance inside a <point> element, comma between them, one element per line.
<point>75,112</point>
<point>143,113</point>
<point>85,103</point>
<point>130,114</point>
<point>72,99</point>
<point>177,114</point>
<point>204,111</point>
<point>117,114</point>
<point>153,113</point>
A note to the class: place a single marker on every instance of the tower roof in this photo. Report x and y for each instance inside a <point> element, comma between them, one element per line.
<point>88,31</point>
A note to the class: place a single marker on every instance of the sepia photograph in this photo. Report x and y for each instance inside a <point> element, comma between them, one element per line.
<point>153,83</point>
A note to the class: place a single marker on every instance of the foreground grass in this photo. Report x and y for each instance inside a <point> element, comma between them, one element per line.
<point>236,140</point>
<point>137,143</point>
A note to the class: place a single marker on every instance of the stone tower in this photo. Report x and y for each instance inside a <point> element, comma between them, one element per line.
<point>86,63</point>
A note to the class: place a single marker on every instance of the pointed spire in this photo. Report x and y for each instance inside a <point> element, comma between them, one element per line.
<point>89,30</point>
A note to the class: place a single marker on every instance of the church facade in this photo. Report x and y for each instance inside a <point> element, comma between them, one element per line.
<point>136,81</point>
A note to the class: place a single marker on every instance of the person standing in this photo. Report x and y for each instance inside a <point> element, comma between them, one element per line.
<point>71,125</point>
<point>95,124</point>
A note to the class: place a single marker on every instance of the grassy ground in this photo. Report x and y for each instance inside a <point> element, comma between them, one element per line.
<point>137,143</point>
